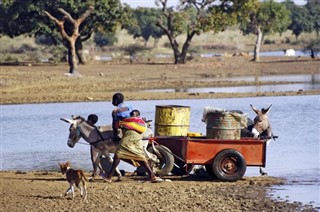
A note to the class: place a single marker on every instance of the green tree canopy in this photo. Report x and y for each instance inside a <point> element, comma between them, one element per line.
<point>29,17</point>
<point>143,23</point>
<point>300,18</point>
<point>271,17</point>
<point>313,7</point>
<point>198,16</point>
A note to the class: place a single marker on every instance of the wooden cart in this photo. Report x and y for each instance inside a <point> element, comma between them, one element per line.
<point>224,159</point>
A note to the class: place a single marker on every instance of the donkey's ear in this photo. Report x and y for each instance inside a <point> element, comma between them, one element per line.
<point>257,111</point>
<point>266,111</point>
<point>66,120</point>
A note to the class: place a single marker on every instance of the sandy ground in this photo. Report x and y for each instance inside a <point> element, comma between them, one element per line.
<point>31,83</point>
<point>42,191</point>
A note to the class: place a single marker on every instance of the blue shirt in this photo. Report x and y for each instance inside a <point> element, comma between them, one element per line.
<point>124,114</point>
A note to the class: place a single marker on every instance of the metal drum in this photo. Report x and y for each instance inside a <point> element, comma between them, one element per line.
<point>223,125</point>
<point>172,120</point>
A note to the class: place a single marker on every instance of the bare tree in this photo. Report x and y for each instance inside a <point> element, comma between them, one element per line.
<point>70,39</point>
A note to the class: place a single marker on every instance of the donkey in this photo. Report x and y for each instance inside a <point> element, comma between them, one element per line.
<point>261,127</point>
<point>101,142</point>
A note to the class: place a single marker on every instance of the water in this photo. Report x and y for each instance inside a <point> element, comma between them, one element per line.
<point>34,138</point>
<point>291,83</point>
<point>261,54</point>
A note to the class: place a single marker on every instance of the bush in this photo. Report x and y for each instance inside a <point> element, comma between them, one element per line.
<point>268,41</point>
<point>167,45</point>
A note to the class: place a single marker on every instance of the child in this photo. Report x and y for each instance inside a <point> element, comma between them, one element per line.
<point>120,112</point>
<point>92,119</point>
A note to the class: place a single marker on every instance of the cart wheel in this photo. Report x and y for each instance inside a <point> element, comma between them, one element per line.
<point>178,168</point>
<point>166,162</point>
<point>229,165</point>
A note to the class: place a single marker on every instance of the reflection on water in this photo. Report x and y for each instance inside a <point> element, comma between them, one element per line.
<point>34,138</point>
<point>297,82</point>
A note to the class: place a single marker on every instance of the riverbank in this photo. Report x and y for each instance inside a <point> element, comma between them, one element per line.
<point>34,83</point>
<point>39,191</point>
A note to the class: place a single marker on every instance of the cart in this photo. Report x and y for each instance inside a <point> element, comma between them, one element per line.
<point>223,159</point>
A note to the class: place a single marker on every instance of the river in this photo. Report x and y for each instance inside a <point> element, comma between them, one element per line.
<point>34,138</point>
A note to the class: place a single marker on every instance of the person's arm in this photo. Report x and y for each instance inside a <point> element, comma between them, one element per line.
<point>119,110</point>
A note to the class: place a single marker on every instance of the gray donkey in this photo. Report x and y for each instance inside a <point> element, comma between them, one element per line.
<point>259,128</point>
<point>101,142</point>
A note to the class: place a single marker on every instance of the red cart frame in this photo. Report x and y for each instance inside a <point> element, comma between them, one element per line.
<point>225,159</point>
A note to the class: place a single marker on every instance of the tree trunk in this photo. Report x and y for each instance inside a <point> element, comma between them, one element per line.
<point>79,52</point>
<point>257,45</point>
<point>72,57</point>
<point>156,42</point>
<point>176,54</point>
<point>185,48</point>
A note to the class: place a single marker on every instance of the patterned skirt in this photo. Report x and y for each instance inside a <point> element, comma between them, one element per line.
<point>131,147</point>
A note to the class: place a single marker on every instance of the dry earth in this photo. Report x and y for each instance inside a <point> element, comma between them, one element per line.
<point>41,191</point>
<point>30,83</point>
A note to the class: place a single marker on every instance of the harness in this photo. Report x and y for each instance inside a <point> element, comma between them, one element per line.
<point>100,135</point>
<point>78,133</point>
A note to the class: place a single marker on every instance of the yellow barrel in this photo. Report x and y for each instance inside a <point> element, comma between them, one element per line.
<point>224,125</point>
<point>172,120</point>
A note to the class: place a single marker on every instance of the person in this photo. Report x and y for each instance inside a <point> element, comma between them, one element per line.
<point>135,113</point>
<point>131,147</point>
<point>120,112</point>
<point>92,119</point>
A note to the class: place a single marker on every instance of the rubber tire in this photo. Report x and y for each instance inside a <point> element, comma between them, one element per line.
<point>166,163</point>
<point>233,158</point>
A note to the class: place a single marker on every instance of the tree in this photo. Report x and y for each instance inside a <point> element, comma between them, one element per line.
<point>105,39</point>
<point>312,48</point>
<point>70,39</point>
<point>143,23</point>
<point>133,49</point>
<point>198,16</point>
<point>300,19</point>
<point>313,7</point>
<point>270,17</point>
<point>28,17</point>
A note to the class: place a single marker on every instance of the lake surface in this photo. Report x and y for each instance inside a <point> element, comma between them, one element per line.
<point>34,138</point>
<point>290,83</point>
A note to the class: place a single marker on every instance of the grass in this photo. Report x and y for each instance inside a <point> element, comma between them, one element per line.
<point>229,41</point>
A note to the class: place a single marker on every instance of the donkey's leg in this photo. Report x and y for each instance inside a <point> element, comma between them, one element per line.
<point>94,154</point>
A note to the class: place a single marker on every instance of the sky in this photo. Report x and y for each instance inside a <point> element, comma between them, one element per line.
<point>173,3</point>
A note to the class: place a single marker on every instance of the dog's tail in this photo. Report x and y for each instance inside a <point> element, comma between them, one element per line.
<point>83,176</point>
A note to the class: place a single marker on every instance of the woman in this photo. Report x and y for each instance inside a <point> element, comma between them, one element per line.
<point>131,147</point>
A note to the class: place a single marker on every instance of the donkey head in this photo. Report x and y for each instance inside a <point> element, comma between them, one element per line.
<point>261,123</point>
<point>74,130</point>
